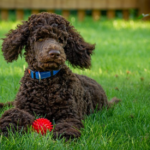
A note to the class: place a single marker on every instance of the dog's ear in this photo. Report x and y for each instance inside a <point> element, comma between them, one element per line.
<point>78,51</point>
<point>14,42</point>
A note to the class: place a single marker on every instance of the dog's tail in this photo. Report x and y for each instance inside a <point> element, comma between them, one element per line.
<point>113,102</point>
<point>6,104</point>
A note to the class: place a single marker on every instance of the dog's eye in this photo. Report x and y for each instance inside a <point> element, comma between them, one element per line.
<point>40,39</point>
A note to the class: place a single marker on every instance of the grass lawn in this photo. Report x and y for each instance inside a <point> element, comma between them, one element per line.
<point>121,65</point>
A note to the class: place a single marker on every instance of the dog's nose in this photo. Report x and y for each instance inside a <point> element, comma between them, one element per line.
<point>54,53</point>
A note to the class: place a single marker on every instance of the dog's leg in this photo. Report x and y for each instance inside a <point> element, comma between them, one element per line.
<point>68,128</point>
<point>113,102</point>
<point>6,104</point>
<point>16,119</point>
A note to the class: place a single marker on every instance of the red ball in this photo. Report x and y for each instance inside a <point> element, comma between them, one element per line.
<point>42,125</point>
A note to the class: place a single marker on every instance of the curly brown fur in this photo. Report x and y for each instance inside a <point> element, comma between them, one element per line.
<point>49,40</point>
<point>16,119</point>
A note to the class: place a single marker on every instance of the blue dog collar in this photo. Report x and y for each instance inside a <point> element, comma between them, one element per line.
<point>42,75</point>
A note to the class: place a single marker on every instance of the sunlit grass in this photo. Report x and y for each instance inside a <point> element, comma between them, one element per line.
<point>121,65</point>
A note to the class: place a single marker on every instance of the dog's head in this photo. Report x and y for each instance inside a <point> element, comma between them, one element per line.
<point>49,40</point>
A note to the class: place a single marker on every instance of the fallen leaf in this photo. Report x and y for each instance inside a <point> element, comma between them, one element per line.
<point>116,88</point>
<point>116,76</point>
<point>128,72</point>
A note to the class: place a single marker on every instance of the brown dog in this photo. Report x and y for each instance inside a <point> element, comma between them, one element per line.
<point>48,87</point>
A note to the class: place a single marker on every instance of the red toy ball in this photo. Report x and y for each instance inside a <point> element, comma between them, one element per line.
<point>42,125</point>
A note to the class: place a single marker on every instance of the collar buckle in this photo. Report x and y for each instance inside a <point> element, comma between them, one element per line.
<point>39,75</point>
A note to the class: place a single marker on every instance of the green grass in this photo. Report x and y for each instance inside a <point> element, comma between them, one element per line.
<point>121,65</point>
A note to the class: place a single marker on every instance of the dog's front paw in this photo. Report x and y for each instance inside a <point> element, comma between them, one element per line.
<point>15,120</point>
<point>65,130</point>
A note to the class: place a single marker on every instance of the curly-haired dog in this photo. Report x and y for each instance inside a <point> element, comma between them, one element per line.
<point>48,87</point>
